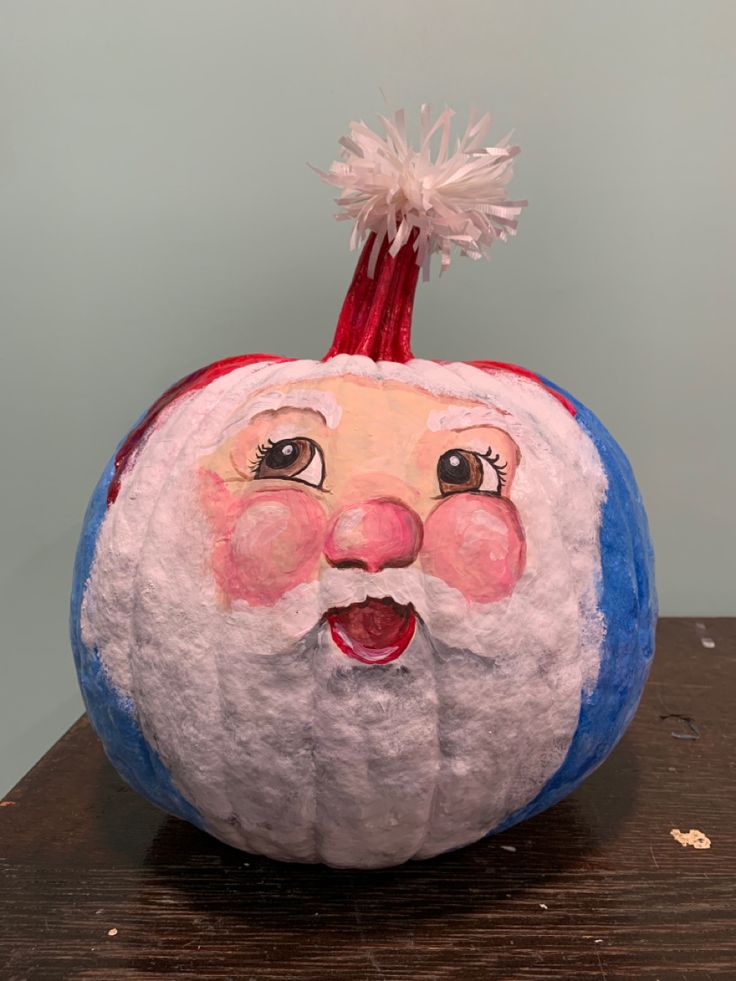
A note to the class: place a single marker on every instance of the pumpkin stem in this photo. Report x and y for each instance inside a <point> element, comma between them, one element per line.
<point>375,319</point>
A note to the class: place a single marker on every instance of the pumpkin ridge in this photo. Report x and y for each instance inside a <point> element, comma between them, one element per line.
<point>439,756</point>
<point>146,539</point>
<point>316,842</point>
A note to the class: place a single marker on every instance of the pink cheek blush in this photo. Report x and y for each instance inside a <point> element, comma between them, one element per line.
<point>274,543</point>
<point>476,544</point>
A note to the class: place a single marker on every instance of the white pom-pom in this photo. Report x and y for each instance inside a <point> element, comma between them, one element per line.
<point>392,189</point>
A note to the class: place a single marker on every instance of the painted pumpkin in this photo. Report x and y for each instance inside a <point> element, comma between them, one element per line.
<point>368,608</point>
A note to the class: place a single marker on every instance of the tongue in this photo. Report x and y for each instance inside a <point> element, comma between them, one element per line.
<point>375,631</point>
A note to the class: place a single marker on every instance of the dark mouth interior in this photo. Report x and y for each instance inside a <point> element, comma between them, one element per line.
<point>374,623</point>
<point>376,631</point>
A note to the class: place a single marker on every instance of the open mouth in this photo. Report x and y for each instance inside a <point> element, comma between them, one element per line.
<point>375,631</point>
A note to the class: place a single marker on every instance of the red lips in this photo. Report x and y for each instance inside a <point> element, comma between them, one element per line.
<point>375,632</point>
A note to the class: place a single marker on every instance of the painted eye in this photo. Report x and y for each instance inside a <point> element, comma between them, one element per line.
<point>290,459</point>
<point>464,470</point>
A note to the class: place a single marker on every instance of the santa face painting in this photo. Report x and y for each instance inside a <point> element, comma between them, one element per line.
<point>355,603</point>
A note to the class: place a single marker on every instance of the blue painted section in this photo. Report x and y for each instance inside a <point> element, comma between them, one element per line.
<point>114,718</point>
<point>628,602</point>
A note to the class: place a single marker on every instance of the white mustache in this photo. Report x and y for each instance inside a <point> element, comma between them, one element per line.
<point>338,588</point>
<point>303,608</point>
<point>341,587</point>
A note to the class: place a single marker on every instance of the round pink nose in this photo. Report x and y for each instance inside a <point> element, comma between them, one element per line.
<point>374,535</point>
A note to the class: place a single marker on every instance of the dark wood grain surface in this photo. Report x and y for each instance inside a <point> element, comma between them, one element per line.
<point>595,888</point>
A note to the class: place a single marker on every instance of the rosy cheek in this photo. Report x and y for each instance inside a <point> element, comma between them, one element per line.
<point>475,544</point>
<point>275,543</point>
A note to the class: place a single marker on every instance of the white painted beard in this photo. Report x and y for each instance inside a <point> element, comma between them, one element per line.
<point>294,750</point>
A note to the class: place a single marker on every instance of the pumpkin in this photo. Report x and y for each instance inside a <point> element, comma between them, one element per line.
<point>373,607</point>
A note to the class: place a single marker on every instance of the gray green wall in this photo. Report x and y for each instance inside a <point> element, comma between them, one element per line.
<point>156,213</point>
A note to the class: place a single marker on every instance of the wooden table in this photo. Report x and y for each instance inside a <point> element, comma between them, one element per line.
<point>98,884</point>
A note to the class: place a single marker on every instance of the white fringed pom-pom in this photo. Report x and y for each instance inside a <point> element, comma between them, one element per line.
<point>392,189</point>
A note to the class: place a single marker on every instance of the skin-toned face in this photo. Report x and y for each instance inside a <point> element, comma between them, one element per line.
<point>352,473</point>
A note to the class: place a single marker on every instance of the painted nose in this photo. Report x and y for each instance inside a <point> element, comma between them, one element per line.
<point>375,535</point>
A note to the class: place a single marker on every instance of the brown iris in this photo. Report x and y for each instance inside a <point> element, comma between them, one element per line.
<point>286,459</point>
<point>459,470</point>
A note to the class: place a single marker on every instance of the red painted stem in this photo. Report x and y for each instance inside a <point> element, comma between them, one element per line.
<point>375,319</point>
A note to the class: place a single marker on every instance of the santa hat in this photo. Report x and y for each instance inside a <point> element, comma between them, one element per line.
<point>407,206</point>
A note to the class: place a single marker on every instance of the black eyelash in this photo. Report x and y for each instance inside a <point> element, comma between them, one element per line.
<point>493,460</point>
<point>261,451</point>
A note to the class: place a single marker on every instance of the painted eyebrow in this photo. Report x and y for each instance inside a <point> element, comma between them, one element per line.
<point>323,403</point>
<point>456,418</point>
